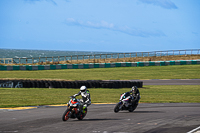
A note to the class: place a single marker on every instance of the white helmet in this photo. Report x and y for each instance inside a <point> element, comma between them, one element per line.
<point>83,89</point>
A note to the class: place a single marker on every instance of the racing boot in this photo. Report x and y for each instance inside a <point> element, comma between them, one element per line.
<point>84,109</point>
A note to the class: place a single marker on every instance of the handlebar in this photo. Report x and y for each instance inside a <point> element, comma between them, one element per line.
<point>71,97</point>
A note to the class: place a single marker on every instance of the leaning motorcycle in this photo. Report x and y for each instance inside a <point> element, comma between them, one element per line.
<point>73,109</point>
<point>125,104</point>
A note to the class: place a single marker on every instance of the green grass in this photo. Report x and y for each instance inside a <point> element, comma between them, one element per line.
<point>12,97</point>
<point>171,94</point>
<point>15,97</point>
<point>120,73</point>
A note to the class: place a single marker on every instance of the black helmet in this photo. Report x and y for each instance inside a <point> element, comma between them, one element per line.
<point>134,89</point>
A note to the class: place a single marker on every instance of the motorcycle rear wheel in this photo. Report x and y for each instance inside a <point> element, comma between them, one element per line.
<point>66,116</point>
<point>130,109</point>
<point>82,115</point>
<point>135,106</point>
<point>116,109</point>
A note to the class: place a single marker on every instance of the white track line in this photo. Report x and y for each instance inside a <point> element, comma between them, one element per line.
<point>194,130</point>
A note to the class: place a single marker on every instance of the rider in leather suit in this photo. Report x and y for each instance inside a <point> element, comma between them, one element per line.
<point>85,97</point>
<point>135,95</point>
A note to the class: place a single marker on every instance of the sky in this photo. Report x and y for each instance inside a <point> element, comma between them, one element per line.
<point>100,25</point>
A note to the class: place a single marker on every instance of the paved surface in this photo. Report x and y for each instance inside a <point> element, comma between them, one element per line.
<point>171,82</point>
<point>147,118</point>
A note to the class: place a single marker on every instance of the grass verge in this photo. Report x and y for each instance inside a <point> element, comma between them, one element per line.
<point>118,73</point>
<point>18,97</point>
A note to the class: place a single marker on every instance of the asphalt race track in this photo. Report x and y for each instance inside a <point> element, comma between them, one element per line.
<point>147,118</point>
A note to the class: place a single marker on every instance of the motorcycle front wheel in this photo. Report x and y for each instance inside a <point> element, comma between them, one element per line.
<point>66,116</point>
<point>116,109</point>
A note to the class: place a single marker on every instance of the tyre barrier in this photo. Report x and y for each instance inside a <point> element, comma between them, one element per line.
<point>70,84</point>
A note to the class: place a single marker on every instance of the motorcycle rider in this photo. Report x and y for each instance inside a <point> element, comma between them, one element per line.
<point>135,95</point>
<point>85,97</point>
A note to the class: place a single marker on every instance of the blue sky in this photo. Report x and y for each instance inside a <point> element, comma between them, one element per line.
<point>100,25</point>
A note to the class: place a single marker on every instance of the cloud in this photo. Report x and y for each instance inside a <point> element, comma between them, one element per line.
<point>52,1</point>
<point>111,26</point>
<point>195,33</point>
<point>167,4</point>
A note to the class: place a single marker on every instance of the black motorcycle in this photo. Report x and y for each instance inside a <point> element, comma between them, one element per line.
<point>125,103</point>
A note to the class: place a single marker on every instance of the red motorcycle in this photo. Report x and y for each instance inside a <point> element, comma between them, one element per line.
<point>73,109</point>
